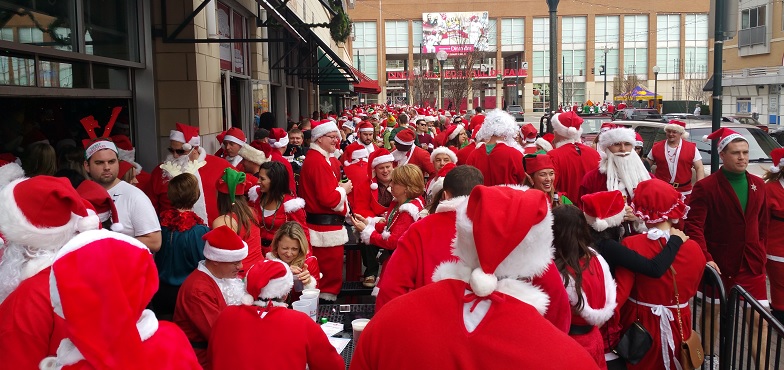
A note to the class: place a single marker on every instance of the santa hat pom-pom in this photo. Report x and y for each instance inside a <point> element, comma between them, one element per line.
<point>374,186</point>
<point>600,225</point>
<point>118,227</point>
<point>685,135</point>
<point>48,363</point>
<point>775,169</point>
<point>483,284</point>
<point>572,131</point>
<point>705,138</point>
<point>346,163</point>
<point>247,300</point>
<point>187,146</point>
<point>90,222</point>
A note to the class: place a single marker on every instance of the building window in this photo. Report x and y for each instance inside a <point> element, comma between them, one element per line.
<point>743,105</point>
<point>512,31</point>
<point>416,33</point>
<point>668,61</point>
<point>607,29</point>
<point>573,62</point>
<point>696,27</point>
<point>541,63</point>
<point>754,17</point>
<point>635,61</point>
<point>668,27</point>
<point>492,40</point>
<point>367,64</point>
<point>395,65</point>
<point>573,31</point>
<point>397,34</point>
<point>696,60</point>
<point>541,95</point>
<point>364,35</point>
<point>572,92</point>
<point>541,31</point>
<point>611,67</point>
<point>635,28</point>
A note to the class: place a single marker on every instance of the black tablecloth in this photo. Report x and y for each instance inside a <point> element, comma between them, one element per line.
<point>353,311</point>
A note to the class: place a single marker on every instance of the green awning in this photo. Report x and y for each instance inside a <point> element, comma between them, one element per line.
<point>333,76</point>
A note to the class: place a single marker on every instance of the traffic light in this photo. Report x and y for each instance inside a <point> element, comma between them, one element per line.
<point>602,71</point>
<point>592,71</point>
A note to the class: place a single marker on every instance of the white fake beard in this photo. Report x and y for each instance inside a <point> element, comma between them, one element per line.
<point>400,157</point>
<point>16,261</point>
<point>624,171</point>
<point>233,289</point>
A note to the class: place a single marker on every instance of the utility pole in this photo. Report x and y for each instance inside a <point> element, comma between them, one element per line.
<point>553,9</point>
<point>718,51</point>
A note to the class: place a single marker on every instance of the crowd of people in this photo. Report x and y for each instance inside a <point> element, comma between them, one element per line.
<point>512,246</point>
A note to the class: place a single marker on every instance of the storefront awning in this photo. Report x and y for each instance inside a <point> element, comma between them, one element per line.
<point>365,84</point>
<point>279,17</point>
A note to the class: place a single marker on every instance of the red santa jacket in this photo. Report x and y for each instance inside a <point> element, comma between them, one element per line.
<point>572,161</point>
<point>30,329</point>
<point>504,164</point>
<point>288,339</point>
<point>683,168</point>
<point>726,234</point>
<point>401,336</point>
<point>358,198</point>
<point>775,197</point>
<point>199,302</point>
<point>421,159</point>
<point>322,194</point>
<point>386,232</point>
<point>465,152</point>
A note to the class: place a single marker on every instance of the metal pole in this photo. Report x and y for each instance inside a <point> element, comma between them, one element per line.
<point>718,46</point>
<point>553,9</point>
<point>656,90</point>
<point>441,84</point>
<point>517,81</point>
<point>563,81</point>
<point>421,83</point>
<point>604,97</point>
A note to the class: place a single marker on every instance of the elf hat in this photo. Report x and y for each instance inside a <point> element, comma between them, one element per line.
<point>321,128</point>
<point>354,152</point>
<point>267,279</point>
<point>529,132</point>
<point>222,244</point>
<point>524,251</point>
<point>235,135</point>
<point>568,125</point>
<point>100,199</point>
<point>43,212</point>
<point>537,162</point>
<point>405,137</point>
<point>776,154</point>
<point>656,201</point>
<point>443,150</point>
<point>278,138</point>
<point>188,135</point>
<point>604,209</point>
<point>233,183</point>
<point>725,136</point>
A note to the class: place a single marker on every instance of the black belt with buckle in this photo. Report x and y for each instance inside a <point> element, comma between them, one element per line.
<point>777,218</point>
<point>580,329</point>
<point>677,185</point>
<point>325,219</point>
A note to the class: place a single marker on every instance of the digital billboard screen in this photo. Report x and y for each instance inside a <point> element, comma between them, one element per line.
<point>455,33</point>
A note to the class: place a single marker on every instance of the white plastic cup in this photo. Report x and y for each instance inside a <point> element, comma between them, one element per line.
<point>301,306</point>
<point>312,307</point>
<point>357,326</point>
<point>311,293</point>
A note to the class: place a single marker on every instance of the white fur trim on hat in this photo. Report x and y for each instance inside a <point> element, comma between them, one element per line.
<point>175,135</point>
<point>323,129</point>
<point>567,132</point>
<point>328,238</point>
<point>98,146</point>
<point>282,143</point>
<point>382,159</point>
<point>544,144</point>
<point>10,172</point>
<point>728,139</point>
<point>252,154</point>
<point>360,153</point>
<point>460,128</point>
<point>397,140</point>
<point>234,139</point>
<point>601,224</point>
<point>222,255</point>
<point>278,287</point>
<point>443,150</point>
<point>616,135</point>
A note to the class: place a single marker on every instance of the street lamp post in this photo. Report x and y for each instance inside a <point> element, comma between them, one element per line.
<point>441,56</point>
<point>552,6</point>
<point>656,87</point>
<point>604,72</point>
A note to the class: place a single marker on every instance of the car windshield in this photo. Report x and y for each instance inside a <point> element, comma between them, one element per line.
<point>592,126</point>
<point>760,143</point>
<point>514,108</point>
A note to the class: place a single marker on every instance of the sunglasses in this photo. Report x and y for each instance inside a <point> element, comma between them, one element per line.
<point>177,151</point>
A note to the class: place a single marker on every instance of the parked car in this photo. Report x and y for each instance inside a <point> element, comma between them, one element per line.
<point>760,143</point>
<point>516,111</point>
<point>637,114</point>
<point>745,120</point>
<point>591,127</point>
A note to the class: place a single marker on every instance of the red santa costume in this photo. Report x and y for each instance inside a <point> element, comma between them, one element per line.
<point>528,133</point>
<point>207,168</point>
<point>385,232</point>
<point>434,184</point>
<point>478,303</point>
<point>617,171</point>
<point>571,158</point>
<point>203,296</point>
<point>500,159</point>
<point>476,122</point>
<point>416,155</point>
<point>289,338</point>
<point>674,165</point>
<point>355,167</point>
<point>101,282</point>
<point>126,152</point>
<point>652,301</point>
<point>738,251</point>
<point>325,205</point>
<point>293,209</point>
<point>366,126</point>
<point>279,140</point>
<point>774,190</point>
<point>39,216</point>
<point>367,197</point>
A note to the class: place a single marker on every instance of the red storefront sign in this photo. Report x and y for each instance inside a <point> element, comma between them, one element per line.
<point>450,74</point>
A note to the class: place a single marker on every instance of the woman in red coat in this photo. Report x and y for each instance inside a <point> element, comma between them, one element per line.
<point>406,188</point>
<point>652,301</point>
<point>774,188</point>
<point>291,247</point>
<point>587,279</point>
<point>275,203</point>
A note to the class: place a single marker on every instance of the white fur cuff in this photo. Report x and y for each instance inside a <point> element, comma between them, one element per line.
<point>342,203</point>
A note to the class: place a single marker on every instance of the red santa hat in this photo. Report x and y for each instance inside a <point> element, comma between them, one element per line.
<point>405,137</point>
<point>616,135</point>
<point>124,168</point>
<point>776,154</point>
<point>100,284</point>
<point>606,126</point>
<point>365,127</point>
<point>10,169</point>
<point>529,132</point>
<point>354,152</point>
<point>43,212</point>
<point>254,153</point>
<point>443,150</point>
<point>656,201</point>
<point>454,130</point>
<point>544,143</point>
<point>235,135</point>
<point>379,156</point>
<point>638,141</point>
<point>266,280</point>
<point>524,251</point>
<point>538,162</point>
<point>498,123</point>
<point>476,121</point>
<point>278,138</point>
<point>125,150</point>
<point>604,209</point>
<point>568,125</point>
<point>445,170</point>
<point>677,126</point>
<point>101,201</point>
<point>188,135</point>
<point>222,244</point>
<point>321,128</point>
<point>725,136</point>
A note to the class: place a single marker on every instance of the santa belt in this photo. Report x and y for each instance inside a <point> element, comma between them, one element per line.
<point>665,330</point>
<point>677,185</point>
<point>580,329</point>
<point>777,218</point>
<point>325,219</point>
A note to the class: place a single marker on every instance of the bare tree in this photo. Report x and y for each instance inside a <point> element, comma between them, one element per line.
<point>567,88</point>
<point>458,80</point>
<point>623,86</point>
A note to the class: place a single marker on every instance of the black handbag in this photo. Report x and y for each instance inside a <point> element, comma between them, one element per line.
<point>634,344</point>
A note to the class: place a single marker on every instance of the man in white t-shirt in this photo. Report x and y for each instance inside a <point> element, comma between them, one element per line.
<point>134,209</point>
<point>675,158</point>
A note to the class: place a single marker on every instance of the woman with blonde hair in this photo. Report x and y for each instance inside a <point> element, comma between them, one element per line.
<point>291,246</point>
<point>774,189</point>
<point>237,214</point>
<point>406,187</point>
